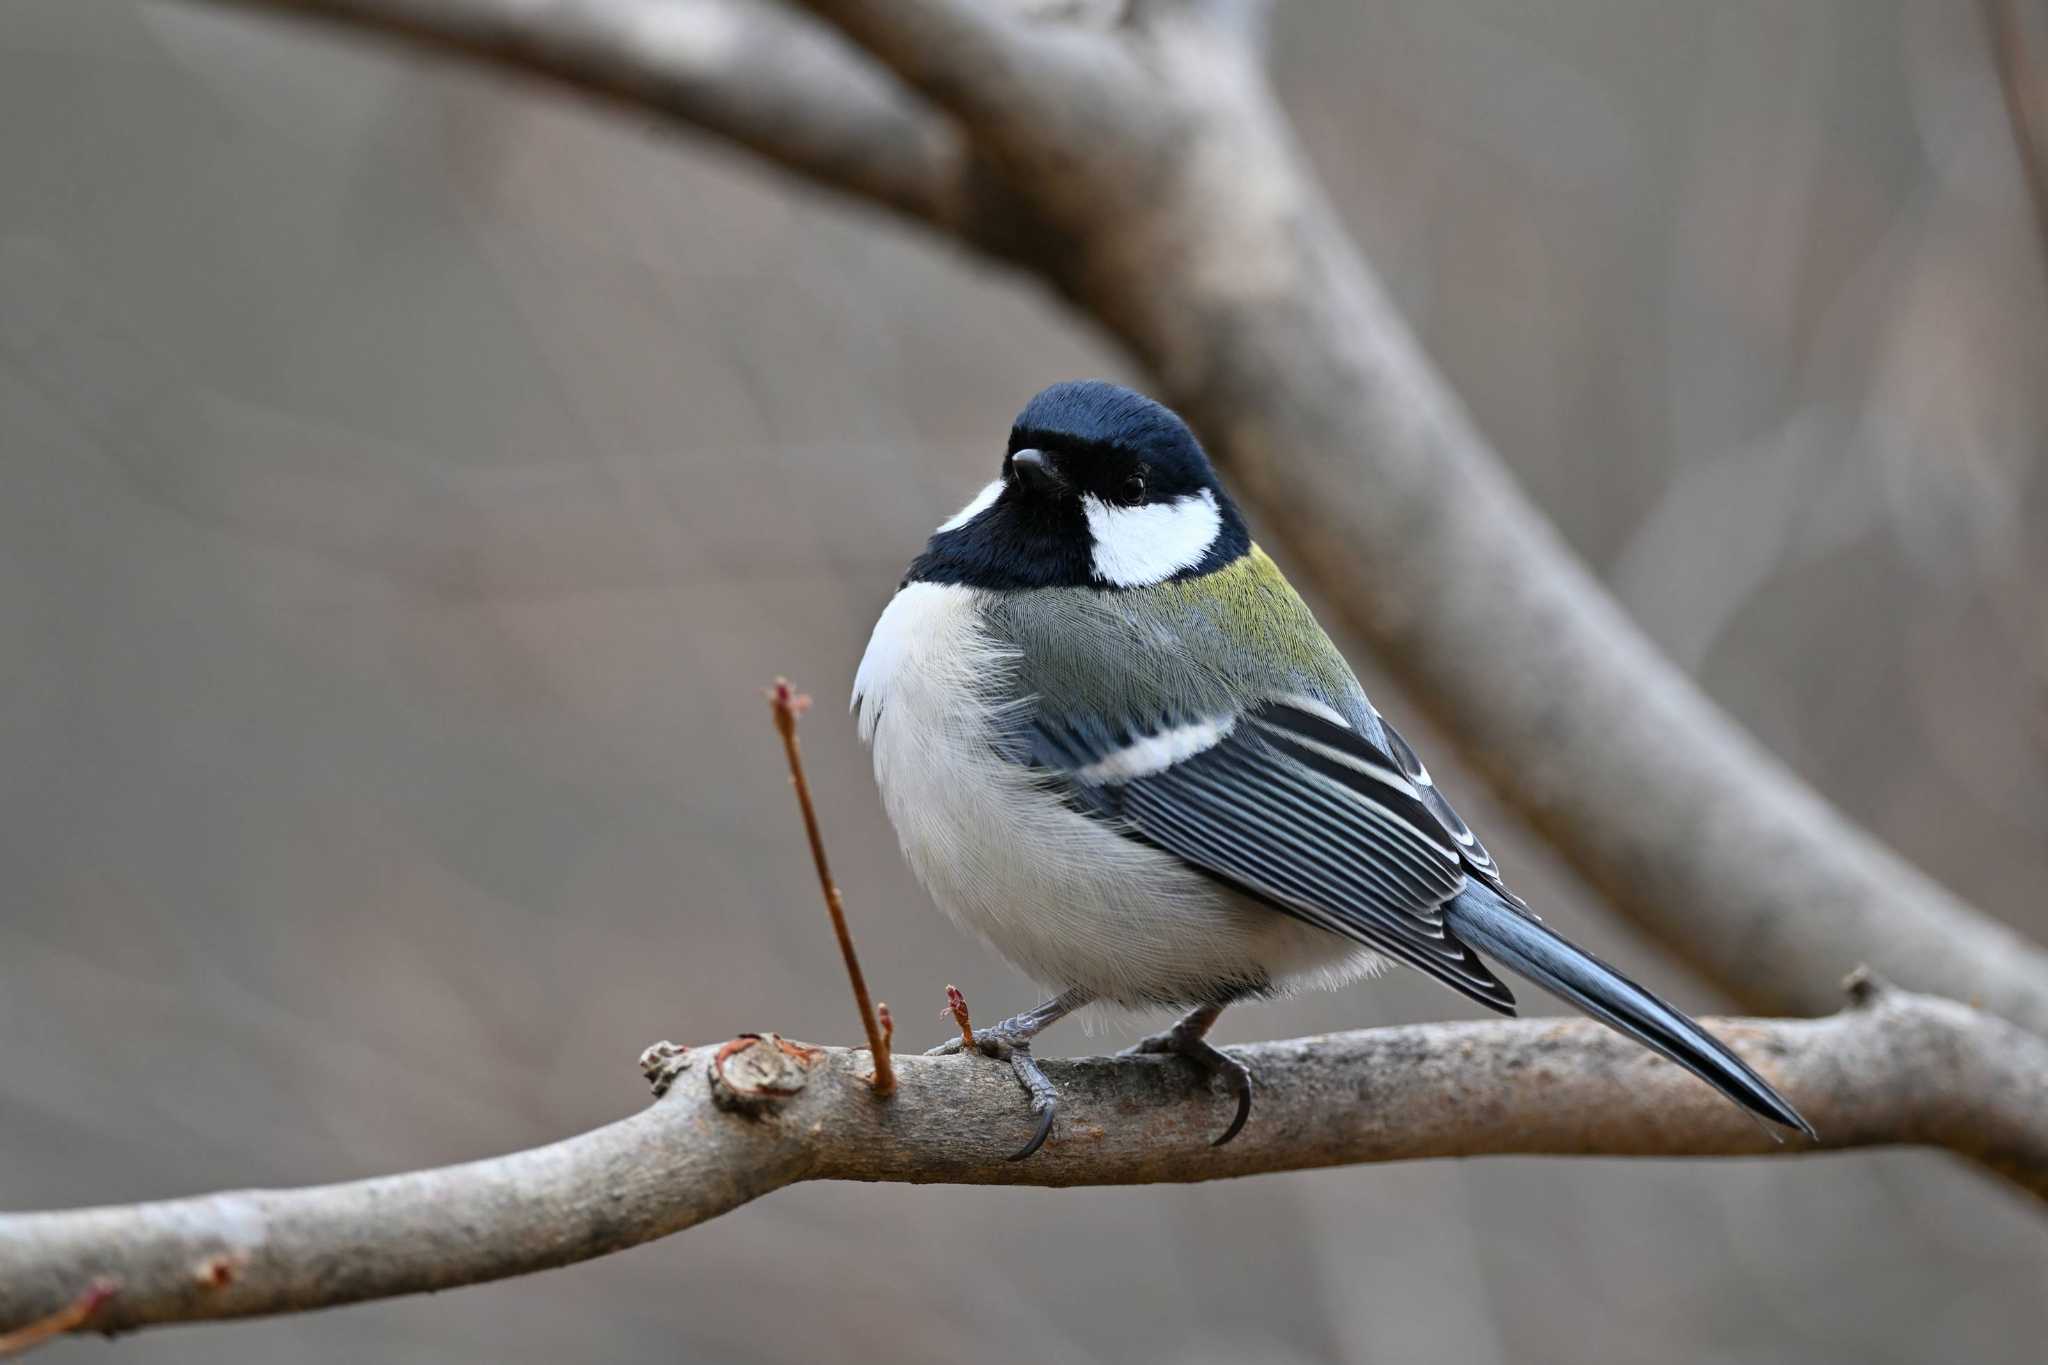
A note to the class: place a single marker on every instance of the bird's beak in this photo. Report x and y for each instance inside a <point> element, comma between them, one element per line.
<point>1034,473</point>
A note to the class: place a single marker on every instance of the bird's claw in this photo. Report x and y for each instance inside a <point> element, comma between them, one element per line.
<point>998,1042</point>
<point>1004,1043</point>
<point>1045,1101</point>
<point>1213,1061</point>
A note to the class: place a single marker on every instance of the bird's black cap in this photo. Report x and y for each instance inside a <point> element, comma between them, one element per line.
<point>1079,445</point>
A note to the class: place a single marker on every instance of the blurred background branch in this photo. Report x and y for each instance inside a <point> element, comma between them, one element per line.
<point>1153,180</point>
<point>749,70</point>
<point>2026,104</point>
<point>750,1116</point>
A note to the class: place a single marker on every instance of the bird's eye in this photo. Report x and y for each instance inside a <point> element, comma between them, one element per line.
<point>1134,485</point>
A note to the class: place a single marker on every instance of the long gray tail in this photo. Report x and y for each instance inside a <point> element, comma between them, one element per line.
<point>1575,975</point>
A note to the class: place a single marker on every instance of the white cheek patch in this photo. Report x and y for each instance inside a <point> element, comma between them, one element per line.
<point>1137,546</point>
<point>983,500</point>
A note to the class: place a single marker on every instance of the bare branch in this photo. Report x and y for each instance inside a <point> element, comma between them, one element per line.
<point>757,1113</point>
<point>749,71</point>
<point>990,61</point>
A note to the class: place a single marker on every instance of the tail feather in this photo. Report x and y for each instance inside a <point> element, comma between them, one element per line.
<point>1572,974</point>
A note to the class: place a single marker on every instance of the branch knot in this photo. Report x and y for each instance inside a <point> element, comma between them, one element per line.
<point>755,1071</point>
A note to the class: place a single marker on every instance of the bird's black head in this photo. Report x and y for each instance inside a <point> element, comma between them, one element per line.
<point>1102,488</point>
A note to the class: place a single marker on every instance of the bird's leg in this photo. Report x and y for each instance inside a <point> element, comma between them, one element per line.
<point>1010,1041</point>
<point>1186,1039</point>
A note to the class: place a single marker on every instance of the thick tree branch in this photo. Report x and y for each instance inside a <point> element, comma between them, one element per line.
<point>986,59</point>
<point>1892,1068</point>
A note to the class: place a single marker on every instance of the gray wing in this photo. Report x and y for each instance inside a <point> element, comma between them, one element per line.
<point>1294,808</point>
<point>1477,860</point>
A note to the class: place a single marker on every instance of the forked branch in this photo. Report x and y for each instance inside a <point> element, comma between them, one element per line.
<point>1132,154</point>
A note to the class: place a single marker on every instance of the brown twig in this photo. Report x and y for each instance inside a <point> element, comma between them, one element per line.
<point>69,1318</point>
<point>956,1006</point>
<point>788,705</point>
<point>2023,103</point>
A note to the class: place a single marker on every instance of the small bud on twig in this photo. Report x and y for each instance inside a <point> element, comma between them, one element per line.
<point>956,1006</point>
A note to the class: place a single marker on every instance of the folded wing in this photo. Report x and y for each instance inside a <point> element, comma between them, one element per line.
<point>1293,807</point>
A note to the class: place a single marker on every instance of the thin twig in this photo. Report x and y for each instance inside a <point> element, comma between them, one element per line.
<point>2023,103</point>
<point>788,705</point>
<point>69,1318</point>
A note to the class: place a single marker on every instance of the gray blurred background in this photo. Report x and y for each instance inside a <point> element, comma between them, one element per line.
<point>409,478</point>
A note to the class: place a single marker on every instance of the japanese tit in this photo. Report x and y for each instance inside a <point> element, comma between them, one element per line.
<point>1115,743</point>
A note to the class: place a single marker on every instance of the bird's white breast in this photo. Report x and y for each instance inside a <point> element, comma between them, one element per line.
<point>1066,898</point>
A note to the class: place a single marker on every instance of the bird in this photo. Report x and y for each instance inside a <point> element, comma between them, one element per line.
<point>1115,743</point>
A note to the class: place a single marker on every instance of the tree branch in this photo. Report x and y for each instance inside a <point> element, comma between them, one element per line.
<point>749,71</point>
<point>753,1115</point>
<point>986,59</point>
<point>1147,173</point>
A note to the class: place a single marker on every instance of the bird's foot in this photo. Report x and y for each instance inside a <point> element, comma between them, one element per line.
<point>1184,1041</point>
<point>1010,1041</point>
